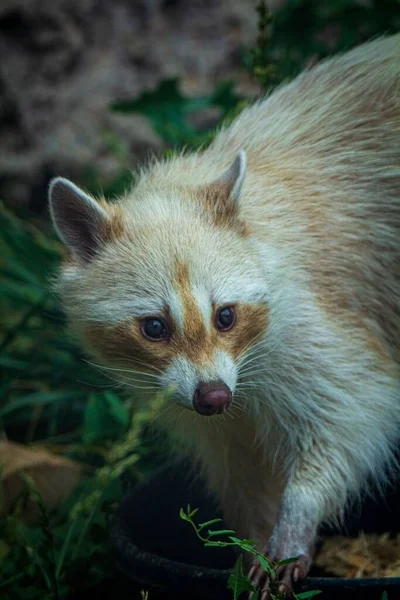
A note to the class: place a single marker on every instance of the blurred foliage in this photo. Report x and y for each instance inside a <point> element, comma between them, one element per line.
<point>43,376</point>
<point>295,36</point>
<point>70,548</point>
<point>302,32</point>
<point>49,395</point>
<point>168,110</point>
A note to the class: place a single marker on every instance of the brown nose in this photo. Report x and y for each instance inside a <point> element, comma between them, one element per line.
<point>212,398</point>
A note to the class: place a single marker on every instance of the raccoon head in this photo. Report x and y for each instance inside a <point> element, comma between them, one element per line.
<point>165,286</point>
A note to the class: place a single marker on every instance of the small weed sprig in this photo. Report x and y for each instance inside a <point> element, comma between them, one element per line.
<point>238,582</point>
<point>123,455</point>
<point>263,69</point>
<point>64,551</point>
<point>43,553</point>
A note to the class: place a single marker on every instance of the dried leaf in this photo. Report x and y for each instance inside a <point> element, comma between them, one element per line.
<point>54,476</point>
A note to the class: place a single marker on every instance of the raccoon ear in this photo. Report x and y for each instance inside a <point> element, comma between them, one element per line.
<point>234,176</point>
<point>79,220</point>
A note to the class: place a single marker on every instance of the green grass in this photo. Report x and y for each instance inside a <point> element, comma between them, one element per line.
<point>51,397</point>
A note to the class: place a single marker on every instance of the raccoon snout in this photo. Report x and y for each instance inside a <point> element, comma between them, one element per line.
<point>212,398</point>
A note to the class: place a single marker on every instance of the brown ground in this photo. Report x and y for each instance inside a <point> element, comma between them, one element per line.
<point>63,61</point>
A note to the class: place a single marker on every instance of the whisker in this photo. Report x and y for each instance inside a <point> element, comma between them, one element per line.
<point>250,344</point>
<point>131,359</point>
<point>135,385</point>
<point>162,414</point>
<point>117,369</point>
<point>180,416</point>
<point>236,406</point>
<point>254,356</point>
<point>108,386</point>
<point>129,379</point>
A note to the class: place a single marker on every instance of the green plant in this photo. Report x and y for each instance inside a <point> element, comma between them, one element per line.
<point>70,548</point>
<point>238,582</point>
<point>168,110</point>
<point>302,32</point>
<point>51,397</point>
<point>43,374</point>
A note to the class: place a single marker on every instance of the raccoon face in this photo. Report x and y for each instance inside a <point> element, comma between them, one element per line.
<point>161,290</point>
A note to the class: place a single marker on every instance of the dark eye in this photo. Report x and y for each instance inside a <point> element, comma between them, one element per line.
<point>225,318</point>
<point>154,329</point>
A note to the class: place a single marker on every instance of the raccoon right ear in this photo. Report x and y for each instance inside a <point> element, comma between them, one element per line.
<point>79,220</point>
<point>235,175</point>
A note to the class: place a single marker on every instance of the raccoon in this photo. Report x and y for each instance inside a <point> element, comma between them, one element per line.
<point>259,278</point>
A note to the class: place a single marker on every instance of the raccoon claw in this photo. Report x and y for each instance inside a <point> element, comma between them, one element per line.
<point>292,573</point>
<point>258,578</point>
<point>287,576</point>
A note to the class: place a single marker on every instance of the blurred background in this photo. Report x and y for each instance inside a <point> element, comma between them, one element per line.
<point>88,90</point>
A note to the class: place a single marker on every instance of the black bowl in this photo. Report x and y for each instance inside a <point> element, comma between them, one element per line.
<point>159,551</point>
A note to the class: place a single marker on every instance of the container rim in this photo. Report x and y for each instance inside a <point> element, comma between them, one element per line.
<point>128,553</point>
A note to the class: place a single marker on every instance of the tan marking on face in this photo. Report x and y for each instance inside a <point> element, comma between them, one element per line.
<point>195,342</point>
<point>125,344</point>
<point>199,343</point>
<point>251,323</point>
<point>215,197</point>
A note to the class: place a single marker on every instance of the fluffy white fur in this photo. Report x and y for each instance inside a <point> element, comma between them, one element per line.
<point>317,395</point>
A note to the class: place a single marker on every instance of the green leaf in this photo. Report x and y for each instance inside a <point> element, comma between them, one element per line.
<point>225,96</point>
<point>116,408</point>
<point>201,526</point>
<point>38,398</point>
<point>167,109</point>
<point>21,293</point>
<point>267,566</point>
<point>306,595</point>
<point>166,99</point>
<point>96,421</point>
<point>287,561</point>
<point>243,542</point>
<point>212,533</point>
<point>216,543</point>
<point>105,417</point>
<point>183,515</point>
<point>13,364</point>
<point>191,512</point>
<point>238,582</point>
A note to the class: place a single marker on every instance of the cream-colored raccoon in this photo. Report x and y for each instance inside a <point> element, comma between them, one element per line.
<point>261,279</point>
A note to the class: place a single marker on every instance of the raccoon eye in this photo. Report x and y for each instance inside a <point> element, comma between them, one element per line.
<point>225,318</point>
<point>154,329</point>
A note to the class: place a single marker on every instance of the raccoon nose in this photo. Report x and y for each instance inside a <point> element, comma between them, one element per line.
<point>212,398</point>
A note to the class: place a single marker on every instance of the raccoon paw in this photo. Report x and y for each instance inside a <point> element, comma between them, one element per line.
<point>288,575</point>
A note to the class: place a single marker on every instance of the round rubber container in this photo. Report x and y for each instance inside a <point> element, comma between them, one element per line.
<point>158,552</point>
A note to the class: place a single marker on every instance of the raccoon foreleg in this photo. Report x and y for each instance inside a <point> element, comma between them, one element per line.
<point>303,506</point>
<point>293,537</point>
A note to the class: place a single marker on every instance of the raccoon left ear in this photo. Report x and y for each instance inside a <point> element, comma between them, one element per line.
<point>80,221</point>
<point>234,176</point>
